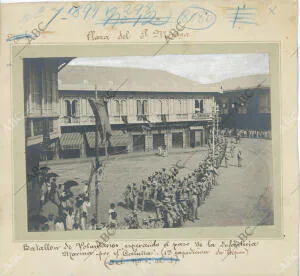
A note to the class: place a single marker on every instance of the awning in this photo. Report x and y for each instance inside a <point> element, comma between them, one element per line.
<point>70,141</point>
<point>118,139</point>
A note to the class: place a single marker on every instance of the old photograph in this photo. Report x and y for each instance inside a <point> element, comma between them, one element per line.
<point>145,142</point>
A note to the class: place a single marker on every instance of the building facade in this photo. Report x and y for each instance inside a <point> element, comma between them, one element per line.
<point>246,104</point>
<point>141,121</point>
<point>41,113</point>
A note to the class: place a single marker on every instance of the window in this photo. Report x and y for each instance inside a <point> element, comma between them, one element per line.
<point>120,108</point>
<point>142,107</point>
<point>75,110</point>
<point>36,87</point>
<point>117,108</point>
<point>160,107</point>
<point>28,128</point>
<point>223,104</point>
<point>178,107</point>
<point>51,125</point>
<point>264,104</point>
<point>139,107</point>
<point>242,109</point>
<point>123,108</point>
<point>67,108</point>
<point>145,107</point>
<point>48,89</point>
<point>201,106</point>
<point>165,107</point>
<point>37,127</point>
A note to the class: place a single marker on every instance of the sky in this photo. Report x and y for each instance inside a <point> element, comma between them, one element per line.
<point>200,68</point>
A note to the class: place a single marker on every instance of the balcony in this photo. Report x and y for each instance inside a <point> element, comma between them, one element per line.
<point>142,117</point>
<point>162,117</point>
<point>118,119</point>
<point>83,120</point>
<point>182,116</point>
<point>136,119</point>
<point>201,116</point>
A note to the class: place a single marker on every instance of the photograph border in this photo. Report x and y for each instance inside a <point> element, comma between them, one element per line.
<point>18,53</point>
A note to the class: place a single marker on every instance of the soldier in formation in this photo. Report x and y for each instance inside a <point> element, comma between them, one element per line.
<point>174,200</point>
<point>247,133</point>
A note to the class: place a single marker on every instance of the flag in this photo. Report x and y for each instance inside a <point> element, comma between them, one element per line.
<point>125,120</point>
<point>144,117</point>
<point>100,111</point>
<point>92,172</point>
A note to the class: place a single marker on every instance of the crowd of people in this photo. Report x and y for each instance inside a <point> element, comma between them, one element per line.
<point>173,200</point>
<point>164,199</point>
<point>246,133</point>
<point>72,210</point>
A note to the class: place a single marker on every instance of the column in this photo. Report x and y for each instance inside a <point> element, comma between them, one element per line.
<point>148,142</point>
<point>130,145</point>
<point>205,134</point>
<point>83,147</point>
<point>43,100</point>
<point>54,91</point>
<point>56,150</point>
<point>168,139</point>
<point>31,127</point>
<point>186,138</point>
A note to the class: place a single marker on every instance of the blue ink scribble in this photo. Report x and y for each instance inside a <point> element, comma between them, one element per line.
<point>18,37</point>
<point>142,260</point>
<point>30,36</point>
<point>54,16</point>
<point>133,14</point>
<point>196,18</point>
<point>241,15</point>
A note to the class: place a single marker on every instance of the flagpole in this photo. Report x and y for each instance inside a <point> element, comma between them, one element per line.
<point>105,144</point>
<point>103,128</point>
<point>97,164</point>
<point>213,142</point>
<point>106,153</point>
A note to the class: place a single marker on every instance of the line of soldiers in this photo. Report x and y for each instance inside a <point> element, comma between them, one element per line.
<point>247,133</point>
<point>174,200</point>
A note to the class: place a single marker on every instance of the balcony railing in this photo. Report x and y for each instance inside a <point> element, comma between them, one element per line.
<point>162,117</point>
<point>132,119</point>
<point>142,117</point>
<point>119,119</point>
<point>182,116</point>
<point>197,116</point>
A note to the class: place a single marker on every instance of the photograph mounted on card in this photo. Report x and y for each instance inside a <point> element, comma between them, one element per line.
<point>170,141</point>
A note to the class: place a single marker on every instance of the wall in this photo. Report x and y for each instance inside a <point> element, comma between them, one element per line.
<point>256,113</point>
<point>177,107</point>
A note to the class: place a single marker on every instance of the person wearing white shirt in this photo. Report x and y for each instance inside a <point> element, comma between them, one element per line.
<point>59,225</point>
<point>70,220</point>
<point>84,215</point>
